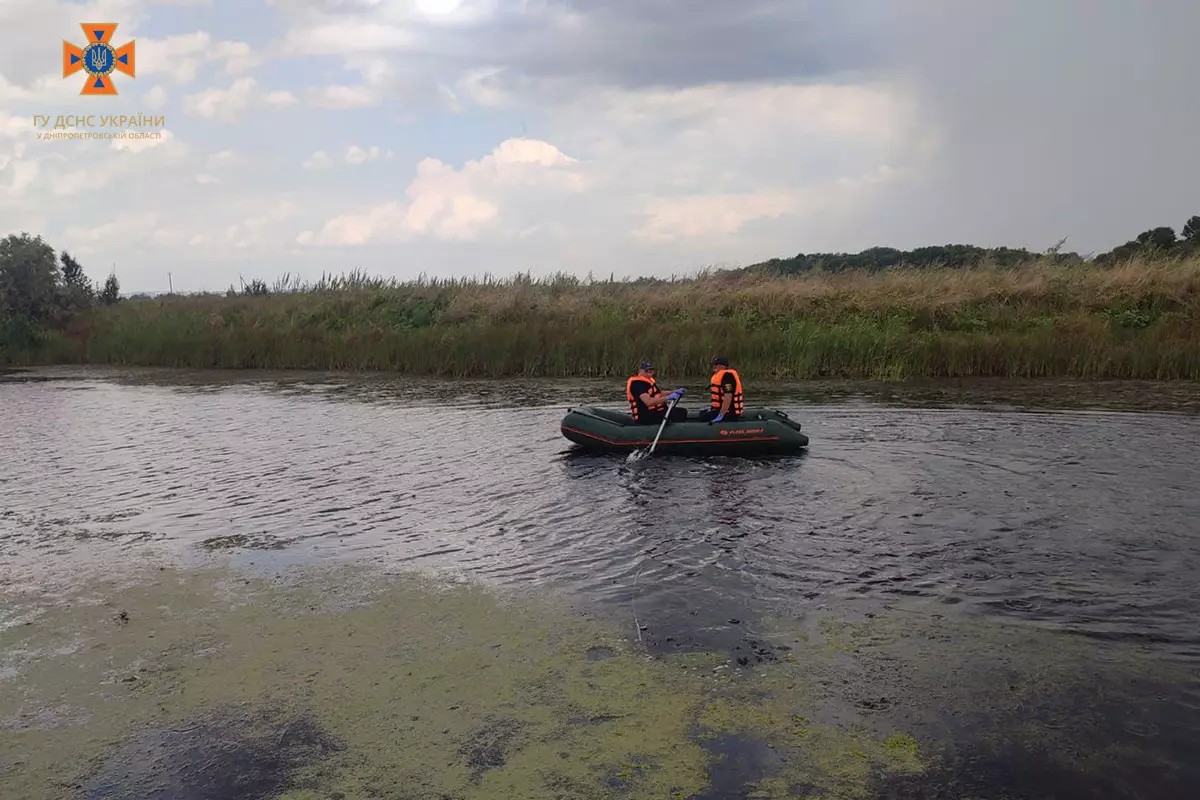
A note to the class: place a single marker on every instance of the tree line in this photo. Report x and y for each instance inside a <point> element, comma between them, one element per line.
<point>41,289</point>
<point>1161,241</point>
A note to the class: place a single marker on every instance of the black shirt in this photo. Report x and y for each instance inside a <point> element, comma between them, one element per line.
<point>726,382</point>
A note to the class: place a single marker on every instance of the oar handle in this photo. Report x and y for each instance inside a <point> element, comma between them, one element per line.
<point>662,425</point>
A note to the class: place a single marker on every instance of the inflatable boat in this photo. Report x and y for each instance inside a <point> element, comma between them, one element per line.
<point>760,431</point>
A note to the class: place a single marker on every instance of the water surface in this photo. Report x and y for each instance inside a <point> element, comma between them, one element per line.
<point>1032,529</point>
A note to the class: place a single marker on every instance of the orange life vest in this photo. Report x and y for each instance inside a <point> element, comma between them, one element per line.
<point>633,400</point>
<point>714,391</point>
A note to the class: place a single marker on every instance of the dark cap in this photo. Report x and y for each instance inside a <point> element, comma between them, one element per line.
<point>720,362</point>
<point>645,365</point>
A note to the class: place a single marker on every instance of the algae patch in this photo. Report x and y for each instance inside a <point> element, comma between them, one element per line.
<point>361,685</point>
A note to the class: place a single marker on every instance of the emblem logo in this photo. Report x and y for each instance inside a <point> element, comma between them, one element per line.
<point>98,59</point>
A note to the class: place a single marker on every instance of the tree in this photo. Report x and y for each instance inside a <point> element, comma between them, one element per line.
<point>79,289</point>
<point>1191,229</point>
<point>29,277</point>
<point>111,292</point>
<point>1157,238</point>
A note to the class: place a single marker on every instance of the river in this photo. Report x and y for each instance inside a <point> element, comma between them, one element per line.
<point>1050,531</point>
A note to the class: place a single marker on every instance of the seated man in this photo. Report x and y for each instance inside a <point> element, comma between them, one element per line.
<point>726,401</point>
<point>647,404</point>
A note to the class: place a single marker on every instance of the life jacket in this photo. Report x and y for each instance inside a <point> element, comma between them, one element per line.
<point>634,400</point>
<point>714,391</point>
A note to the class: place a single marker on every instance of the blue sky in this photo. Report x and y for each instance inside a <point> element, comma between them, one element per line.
<point>635,137</point>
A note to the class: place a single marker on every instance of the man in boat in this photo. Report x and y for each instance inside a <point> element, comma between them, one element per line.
<point>647,404</point>
<point>726,400</point>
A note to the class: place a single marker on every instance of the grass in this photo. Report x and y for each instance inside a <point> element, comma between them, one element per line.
<point>1138,319</point>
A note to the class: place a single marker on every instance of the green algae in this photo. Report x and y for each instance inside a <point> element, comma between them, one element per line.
<point>947,692</point>
<point>353,684</point>
<point>419,690</point>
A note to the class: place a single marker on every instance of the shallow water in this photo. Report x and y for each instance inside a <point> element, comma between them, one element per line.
<point>1032,519</point>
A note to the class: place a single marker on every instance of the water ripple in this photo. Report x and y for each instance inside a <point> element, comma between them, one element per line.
<point>1085,521</point>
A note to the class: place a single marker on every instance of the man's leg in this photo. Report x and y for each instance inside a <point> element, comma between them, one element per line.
<point>678,414</point>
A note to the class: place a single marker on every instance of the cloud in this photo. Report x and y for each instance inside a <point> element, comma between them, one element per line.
<point>625,43</point>
<point>253,231</point>
<point>165,138</point>
<point>696,133</point>
<point>458,204</point>
<point>155,99</point>
<point>1042,130</point>
<point>228,105</point>
<point>223,159</point>
<point>184,58</point>
<point>318,160</point>
<point>703,216</point>
<point>12,126</point>
<point>17,175</point>
<point>354,156</point>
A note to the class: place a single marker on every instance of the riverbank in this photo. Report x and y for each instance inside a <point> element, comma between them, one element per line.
<point>1137,320</point>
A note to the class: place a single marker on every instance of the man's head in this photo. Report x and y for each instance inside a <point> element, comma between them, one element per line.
<point>719,363</point>
<point>646,369</point>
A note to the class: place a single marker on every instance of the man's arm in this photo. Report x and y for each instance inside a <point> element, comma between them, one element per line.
<point>653,402</point>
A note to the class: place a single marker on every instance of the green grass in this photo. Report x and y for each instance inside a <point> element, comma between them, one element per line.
<point>1139,319</point>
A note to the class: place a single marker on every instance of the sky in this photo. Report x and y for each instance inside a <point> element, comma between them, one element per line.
<point>623,137</point>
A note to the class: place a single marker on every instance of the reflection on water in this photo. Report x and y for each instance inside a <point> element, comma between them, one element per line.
<point>1081,522</point>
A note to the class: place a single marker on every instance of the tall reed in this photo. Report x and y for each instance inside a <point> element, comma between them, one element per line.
<point>1139,319</point>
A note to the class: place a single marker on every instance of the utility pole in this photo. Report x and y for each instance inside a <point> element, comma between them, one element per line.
<point>170,286</point>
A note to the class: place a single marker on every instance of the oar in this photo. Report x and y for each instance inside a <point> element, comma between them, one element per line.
<point>662,425</point>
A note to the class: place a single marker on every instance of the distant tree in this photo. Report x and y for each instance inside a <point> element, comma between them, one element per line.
<point>111,292</point>
<point>78,288</point>
<point>1162,238</point>
<point>1191,229</point>
<point>29,277</point>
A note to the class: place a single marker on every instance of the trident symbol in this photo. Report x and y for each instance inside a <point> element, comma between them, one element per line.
<point>97,59</point>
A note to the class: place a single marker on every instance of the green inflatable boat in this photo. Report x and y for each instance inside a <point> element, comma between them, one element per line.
<point>760,431</point>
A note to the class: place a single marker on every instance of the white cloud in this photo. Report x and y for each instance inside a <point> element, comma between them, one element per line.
<point>318,160</point>
<point>165,138</point>
<point>356,155</point>
<point>344,97</point>
<point>228,105</point>
<point>458,204</point>
<point>155,99</point>
<point>485,87</point>
<point>253,230</point>
<point>206,180</point>
<point>17,176</point>
<point>81,174</point>
<point>347,36</point>
<point>280,99</point>
<point>224,158</point>
<point>131,226</point>
<point>184,58</point>
<point>715,215</point>
<point>12,126</point>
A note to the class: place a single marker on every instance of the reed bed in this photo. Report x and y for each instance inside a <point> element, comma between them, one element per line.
<point>1137,319</point>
